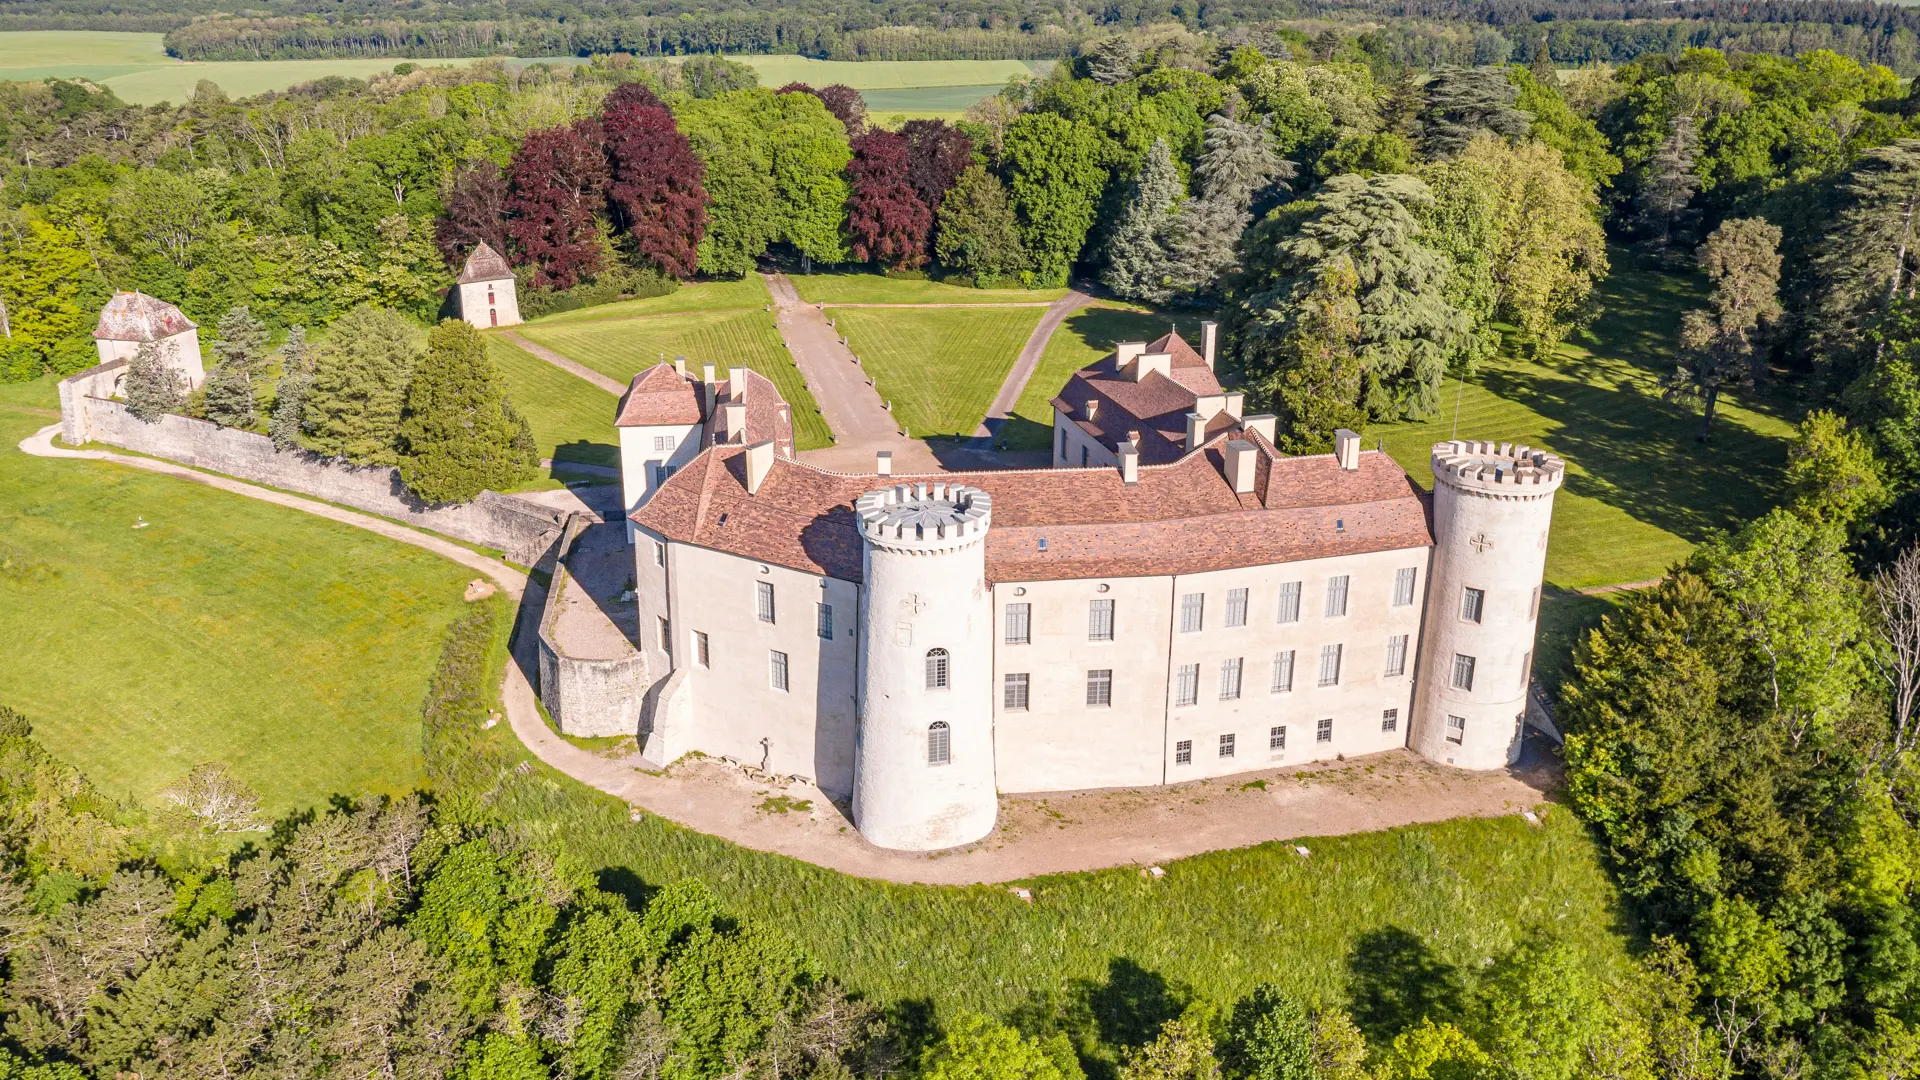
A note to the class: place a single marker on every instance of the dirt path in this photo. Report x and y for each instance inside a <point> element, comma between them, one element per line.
<point>861,424</point>
<point>1016,381</point>
<point>611,386</point>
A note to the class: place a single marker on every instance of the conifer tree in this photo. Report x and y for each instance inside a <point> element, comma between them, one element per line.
<point>1870,254</point>
<point>290,394</point>
<point>152,387</point>
<point>1316,387</point>
<point>978,234</point>
<point>1462,103</point>
<point>360,376</point>
<point>242,345</point>
<point>458,435</point>
<point>1136,255</point>
<point>1669,182</point>
<point>1112,61</point>
<point>1237,166</point>
<point>1722,347</point>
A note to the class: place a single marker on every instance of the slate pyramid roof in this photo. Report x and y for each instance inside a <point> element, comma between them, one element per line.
<point>485,264</point>
<point>135,316</point>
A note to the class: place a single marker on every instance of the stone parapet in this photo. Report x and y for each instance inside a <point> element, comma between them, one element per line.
<point>586,697</point>
<point>926,518</point>
<point>1500,469</point>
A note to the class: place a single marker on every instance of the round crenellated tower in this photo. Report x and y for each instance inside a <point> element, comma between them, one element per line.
<point>923,764</point>
<point>1492,507</point>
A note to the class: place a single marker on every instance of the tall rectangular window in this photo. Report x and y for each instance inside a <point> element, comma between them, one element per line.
<point>1230,678</point>
<point>1390,720</point>
<point>1013,696</point>
<point>1019,623</point>
<point>1236,607</point>
<point>1100,620</point>
<point>1533,605</point>
<point>1472,602</point>
<point>1100,687</point>
<point>1277,738</point>
<point>1397,655</point>
<point>663,442</point>
<point>763,591</point>
<point>1526,669</point>
<point>777,669</point>
<point>1323,731</point>
<point>1403,582</point>
<point>1183,752</point>
<point>1186,684</point>
<point>1193,607</point>
<point>823,621</point>
<point>1330,665</point>
<point>1283,672</point>
<point>1290,602</point>
<point>1226,746</point>
<point>1462,671</point>
<point>666,634</point>
<point>700,650</point>
<point>659,553</point>
<point>1456,729</point>
<point>1336,596</point>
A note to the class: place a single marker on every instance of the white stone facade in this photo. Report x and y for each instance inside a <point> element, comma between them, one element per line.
<point>487,304</point>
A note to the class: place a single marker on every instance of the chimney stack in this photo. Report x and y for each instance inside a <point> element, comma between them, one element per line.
<point>1147,363</point>
<point>706,387</point>
<point>1210,405</point>
<point>1241,458</point>
<point>1129,465</point>
<point>1346,447</point>
<point>680,366</point>
<point>1209,340</point>
<point>733,421</point>
<point>1266,424</point>
<point>883,463</point>
<point>1236,403</point>
<point>759,463</point>
<point>1196,431</point>
<point>736,384</point>
<point>1125,351</point>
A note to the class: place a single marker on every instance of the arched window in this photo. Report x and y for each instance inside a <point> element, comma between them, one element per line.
<point>937,669</point>
<point>939,745</point>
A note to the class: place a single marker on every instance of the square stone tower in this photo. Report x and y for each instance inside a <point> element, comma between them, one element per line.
<point>486,290</point>
<point>132,319</point>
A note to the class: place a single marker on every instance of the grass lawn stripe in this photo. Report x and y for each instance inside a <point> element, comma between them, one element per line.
<point>875,289</point>
<point>1086,336</point>
<point>748,292</point>
<point>939,366</point>
<point>572,419</point>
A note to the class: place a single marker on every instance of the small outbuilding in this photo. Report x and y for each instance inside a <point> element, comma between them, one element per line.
<point>487,297</point>
<point>132,319</point>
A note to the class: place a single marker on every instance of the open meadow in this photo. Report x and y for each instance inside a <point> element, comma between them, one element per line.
<point>939,366</point>
<point>572,419</point>
<point>878,289</point>
<point>294,649</point>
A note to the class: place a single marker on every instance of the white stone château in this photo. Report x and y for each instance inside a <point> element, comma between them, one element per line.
<point>132,319</point>
<point>486,288</point>
<point>1191,603</point>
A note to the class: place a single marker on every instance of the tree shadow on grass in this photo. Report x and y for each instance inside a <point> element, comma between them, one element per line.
<point>1105,1018</point>
<point>1395,980</point>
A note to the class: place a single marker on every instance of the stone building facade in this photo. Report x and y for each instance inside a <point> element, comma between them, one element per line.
<point>132,319</point>
<point>486,288</point>
<point>1182,609</point>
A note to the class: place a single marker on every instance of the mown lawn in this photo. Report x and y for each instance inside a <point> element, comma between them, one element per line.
<point>294,649</point>
<point>572,419</point>
<point>939,366</point>
<point>1088,335</point>
<point>621,347</point>
<point>748,292</point>
<point>879,289</point>
<point>1640,491</point>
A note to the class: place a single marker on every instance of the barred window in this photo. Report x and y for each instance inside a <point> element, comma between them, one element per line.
<point>1336,596</point>
<point>823,621</point>
<point>1277,738</point>
<point>1390,720</point>
<point>1192,612</point>
<point>1183,752</point>
<point>666,634</point>
<point>700,651</point>
<point>1397,655</point>
<point>1226,746</point>
<point>1186,684</point>
<point>1100,687</point>
<point>1230,678</point>
<point>1472,602</point>
<point>936,669</point>
<point>1100,620</point>
<point>1462,671</point>
<point>1330,665</point>
<point>1323,732</point>
<point>1456,729</point>
<point>1014,692</point>
<point>939,743</point>
<point>763,591</point>
<point>1236,607</point>
<point>777,669</point>
<point>1403,582</point>
<point>1290,602</point>
<point>1283,672</point>
<point>1019,623</point>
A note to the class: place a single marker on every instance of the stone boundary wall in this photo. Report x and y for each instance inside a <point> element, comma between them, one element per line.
<point>521,530</point>
<point>587,698</point>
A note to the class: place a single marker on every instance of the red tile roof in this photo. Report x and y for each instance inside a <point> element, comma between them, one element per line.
<point>485,264</point>
<point>1180,518</point>
<point>1156,406</point>
<point>768,414</point>
<point>659,395</point>
<point>135,316</point>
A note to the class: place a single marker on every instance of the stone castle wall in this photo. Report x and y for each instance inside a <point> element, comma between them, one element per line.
<point>521,530</point>
<point>585,697</point>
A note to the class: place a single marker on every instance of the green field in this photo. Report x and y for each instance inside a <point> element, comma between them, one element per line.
<point>1088,335</point>
<point>620,347</point>
<point>777,71</point>
<point>939,366</point>
<point>572,419</point>
<point>748,292</point>
<point>294,649</point>
<point>877,289</point>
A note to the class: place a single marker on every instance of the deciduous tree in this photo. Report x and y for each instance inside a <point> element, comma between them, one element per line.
<point>1056,188</point>
<point>937,153</point>
<point>889,222</point>
<point>458,434</point>
<point>558,181</point>
<point>475,202</point>
<point>656,186</point>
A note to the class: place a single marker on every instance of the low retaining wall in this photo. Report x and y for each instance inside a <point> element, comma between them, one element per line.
<point>587,698</point>
<point>521,530</point>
